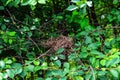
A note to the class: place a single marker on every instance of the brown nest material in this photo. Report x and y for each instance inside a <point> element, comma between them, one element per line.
<point>62,42</point>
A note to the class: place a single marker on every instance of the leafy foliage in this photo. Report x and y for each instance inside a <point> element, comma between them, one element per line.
<point>37,37</point>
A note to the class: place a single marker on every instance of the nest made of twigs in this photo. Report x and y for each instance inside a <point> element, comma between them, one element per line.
<point>60,42</point>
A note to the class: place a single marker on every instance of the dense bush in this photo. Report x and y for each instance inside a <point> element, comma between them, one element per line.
<point>59,40</point>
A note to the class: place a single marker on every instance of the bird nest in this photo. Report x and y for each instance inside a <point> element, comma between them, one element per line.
<point>61,42</point>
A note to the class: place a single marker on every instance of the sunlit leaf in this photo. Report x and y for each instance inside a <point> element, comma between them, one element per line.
<point>42,1</point>
<point>72,7</point>
<point>114,73</point>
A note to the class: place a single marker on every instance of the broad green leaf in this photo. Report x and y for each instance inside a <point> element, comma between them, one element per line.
<point>2,64</point>
<point>114,73</point>
<point>42,1</point>
<point>72,7</point>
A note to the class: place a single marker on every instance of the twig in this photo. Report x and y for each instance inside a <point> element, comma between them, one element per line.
<point>94,78</point>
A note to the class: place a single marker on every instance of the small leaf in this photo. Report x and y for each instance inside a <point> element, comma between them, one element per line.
<point>3,27</point>
<point>10,73</point>
<point>75,1</point>
<point>89,3</point>
<point>58,63</point>
<point>30,68</point>
<point>10,41</point>
<point>2,64</point>
<point>41,1</point>
<point>1,7</point>
<point>1,76</point>
<point>114,73</point>
<point>25,2</point>
<point>115,1</point>
<point>72,7</point>
<point>11,33</point>
<point>60,50</point>
<point>36,62</point>
<point>102,62</point>
<point>66,65</point>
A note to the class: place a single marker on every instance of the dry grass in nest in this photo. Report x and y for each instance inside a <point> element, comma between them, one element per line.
<point>62,42</point>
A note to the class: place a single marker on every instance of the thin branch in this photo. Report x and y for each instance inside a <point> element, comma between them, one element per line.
<point>94,78</point>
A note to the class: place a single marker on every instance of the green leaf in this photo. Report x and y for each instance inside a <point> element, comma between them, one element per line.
<point>92,60</point>
<point>44,66</point>
<point>88,40</point>
<point>8,61</point>
<point>16,2</point>
<point>26,2</point>
<point>60,50</point>
<point>58,63</point>
<point>66,65</point>
<point>30,68</point>
<point>89,3</point>
<point>115,1</point>
<point>114,73</point>
<point>1,76</point>
<point>10,73</point>
<point>3,27</point>
<point>42,1</point>
<point>11,33</point>
<point>36,62</point>
<point>2,64</point>
<point>75,1</point>
<point>17,67</point>
<point>10,41</point>
<point>102,62</point>
<point>2,8</point>
<point>61,56</point>
<point>83,55</point>
<point>33,2</point>
<point>72,7</point>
